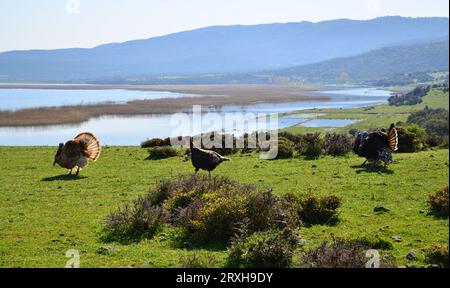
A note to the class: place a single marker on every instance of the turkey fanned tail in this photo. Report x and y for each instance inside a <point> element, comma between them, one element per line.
<point>91,145</point>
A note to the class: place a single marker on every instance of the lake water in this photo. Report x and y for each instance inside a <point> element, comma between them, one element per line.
<point>14,99</point>
<point>132,130</point>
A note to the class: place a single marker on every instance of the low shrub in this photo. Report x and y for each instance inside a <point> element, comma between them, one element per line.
<point>341,253</point>
<point>155,142</point>
<point>411,138</point>
<point>269,249</point>
<point>437,255</point>
<point>337,144</point>
<point>289,136</point>
<point>310,145</point>
<point>438,202</point>
<point>285,148</point>
<point>266,211</point>
<point>215,217</point>
<point>435,121</point>
<point>158,153</point>
<point>316,210</point>
<point>133,223</point>
<point>196,260</point>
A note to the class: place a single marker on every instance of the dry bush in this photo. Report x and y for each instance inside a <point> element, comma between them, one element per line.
<point>438,202</point>
<point>337,144</point>
<point>158,153</point>
<point>341,253</point>
<point>437,255</point>
<point>135,222</point>
<point>269,249</point>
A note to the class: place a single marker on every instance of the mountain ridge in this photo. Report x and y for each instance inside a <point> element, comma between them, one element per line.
<point>220,49</point>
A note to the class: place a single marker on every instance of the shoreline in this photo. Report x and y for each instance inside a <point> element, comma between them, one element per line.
<point>216,96</point>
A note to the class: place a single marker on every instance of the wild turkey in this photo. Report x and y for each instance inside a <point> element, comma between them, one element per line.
<point>77,152</point>
<point>205,159</point>
<point>378,146</point>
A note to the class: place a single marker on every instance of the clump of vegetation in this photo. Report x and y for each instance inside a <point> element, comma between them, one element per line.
<point>337,144</point>
<point>435,122</point>
<point>213,217</point>
<point>196,260</point>
<point>411,98</point>
<point>315,210</point>
<point>285,148</point>
<point>310,145</point>
<point>213,211</point>
<point>437,255</point>
<point>411,138</point>
<point>269,249</point>
<point>341,253</point>
<point>134,222</point>
<point>266,211</point>
<point>289,136</point>
<point>164,152</point>
<point>438,202</point>
<point>155,142</point>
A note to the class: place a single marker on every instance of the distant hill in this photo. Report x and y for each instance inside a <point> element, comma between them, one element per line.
<point>375,65</point>
<point>220,49</point>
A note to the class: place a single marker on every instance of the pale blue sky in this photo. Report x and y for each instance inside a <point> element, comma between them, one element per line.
<point>48,24</point>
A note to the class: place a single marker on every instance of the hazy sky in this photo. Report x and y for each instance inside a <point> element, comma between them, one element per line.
<point>48,24</point>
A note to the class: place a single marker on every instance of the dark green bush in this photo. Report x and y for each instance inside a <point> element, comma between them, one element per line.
<point>438,202</point>
<point>411,98</point>
<point>269,249</point>
<point>316,210</point>
<point>411,138</point>
<point>289,136</point>
<point>285,149</point>
<point>337,144</point>
<point>437,255</point>
<point>435,121</point>
<point>133,223</point>
<point>155,142</point>
<point>158,153</point>
<point>310,145</point>
<point>341,253</point>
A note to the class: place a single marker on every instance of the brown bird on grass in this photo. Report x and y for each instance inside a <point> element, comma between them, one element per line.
<point>76,153</point>
<point>378,146</point>
<point>205,159</point>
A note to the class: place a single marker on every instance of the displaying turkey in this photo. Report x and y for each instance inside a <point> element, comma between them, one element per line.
<point>76,153</point>
<point>205,159</point>
<point>378,146</point>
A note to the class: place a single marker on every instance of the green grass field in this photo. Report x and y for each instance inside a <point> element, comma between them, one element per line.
<point>378,116</point>
<point>44,212</point>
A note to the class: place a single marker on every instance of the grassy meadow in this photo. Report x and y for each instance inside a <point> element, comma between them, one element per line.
<point>373,117</point>
<point>44,212</point>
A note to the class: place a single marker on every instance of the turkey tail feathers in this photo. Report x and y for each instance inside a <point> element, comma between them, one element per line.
<point>92,146</point>
<point>393,138</point>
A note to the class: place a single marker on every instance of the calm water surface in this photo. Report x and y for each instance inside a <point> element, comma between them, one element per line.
<point>122,130</point>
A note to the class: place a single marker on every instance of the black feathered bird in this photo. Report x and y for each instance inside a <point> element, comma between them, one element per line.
<point>205,159</point>
<point>378,146</point>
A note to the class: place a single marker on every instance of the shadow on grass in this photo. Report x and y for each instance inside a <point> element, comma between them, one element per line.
<point>369,168</point>
<point>64,177</point>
